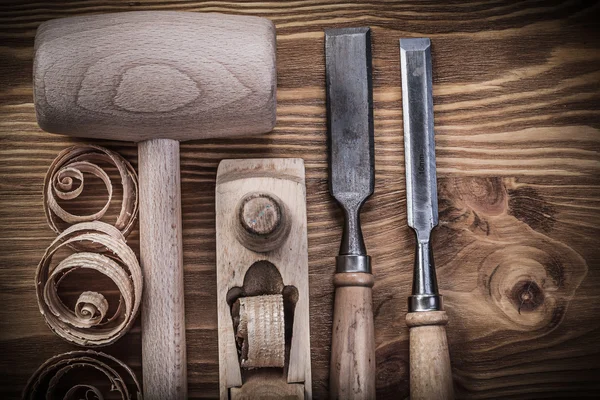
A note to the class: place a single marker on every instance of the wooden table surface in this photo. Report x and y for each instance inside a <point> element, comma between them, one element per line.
<point>517,115</point>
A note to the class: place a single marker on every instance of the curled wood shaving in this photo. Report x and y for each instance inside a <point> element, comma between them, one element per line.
<point>89,324</point>
<point>262,331</point>
<point>69,167</point>
<point>44,383</point>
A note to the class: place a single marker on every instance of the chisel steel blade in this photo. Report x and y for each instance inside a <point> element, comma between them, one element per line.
<point>350,127</point>
<point>421,182</point>
<point>419,144</point>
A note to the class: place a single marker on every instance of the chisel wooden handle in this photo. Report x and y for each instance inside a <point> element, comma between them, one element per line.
<point>353,341</point>
<point>430,372</point>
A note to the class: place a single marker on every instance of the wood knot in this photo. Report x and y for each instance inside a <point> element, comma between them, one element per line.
<point>527,296</point>
<point>262,222</point>
<point>531,283</point>
<point>483,195</point>
<point>469,201</point>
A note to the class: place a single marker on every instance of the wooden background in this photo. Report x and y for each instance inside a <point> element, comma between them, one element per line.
<point>517,103</point>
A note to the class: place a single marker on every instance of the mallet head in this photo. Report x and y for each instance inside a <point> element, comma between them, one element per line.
<point>142,75</point>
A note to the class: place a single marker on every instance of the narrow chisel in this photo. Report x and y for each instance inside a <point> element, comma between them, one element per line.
<point>351,179</point>
<point>430,372</point>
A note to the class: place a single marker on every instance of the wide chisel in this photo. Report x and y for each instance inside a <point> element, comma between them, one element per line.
<point>430,372</point>
<point>351,180</point>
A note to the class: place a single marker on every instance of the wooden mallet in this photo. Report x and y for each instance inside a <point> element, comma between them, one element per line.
<point>157,78</point>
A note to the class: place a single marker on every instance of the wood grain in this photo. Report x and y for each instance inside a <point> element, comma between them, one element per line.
<point>262,386</point>
<point>161,256</point>
<point>516,100</point>
<point>352,366</point>
<point>244,271</point>
<point>143,75</point>
<point>430,370</point>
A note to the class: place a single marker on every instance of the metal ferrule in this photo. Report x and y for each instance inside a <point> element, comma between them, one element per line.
<point>425,295</point>
<point>417,303</point>
<point>353,263</point>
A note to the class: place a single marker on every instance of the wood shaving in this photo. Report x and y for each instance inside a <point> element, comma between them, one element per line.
<point>262,331</point>
<point>69,167</point>
<point>88,324</point>
<point>44,383</point>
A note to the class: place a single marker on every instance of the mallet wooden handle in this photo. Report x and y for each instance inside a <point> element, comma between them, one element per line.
<point>163,317</point>
<point>353,341</point>
<point>430,372</point>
